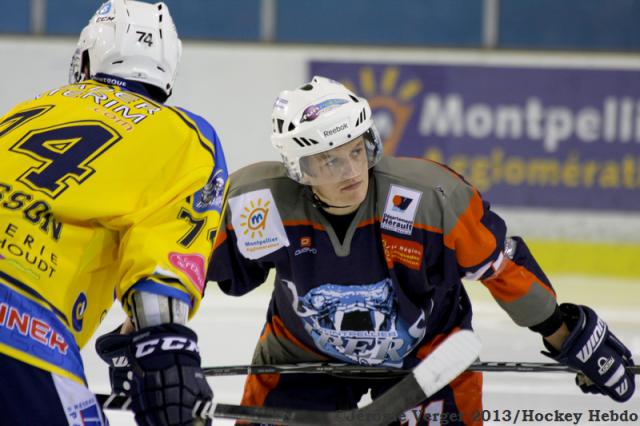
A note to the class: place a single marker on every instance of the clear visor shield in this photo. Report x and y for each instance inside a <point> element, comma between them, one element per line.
<point>342,163</point>
<point>75,68</point>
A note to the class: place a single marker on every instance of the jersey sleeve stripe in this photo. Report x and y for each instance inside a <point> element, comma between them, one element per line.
<point>156,287</point>
<point>469,238</point>
<point>513,282</point>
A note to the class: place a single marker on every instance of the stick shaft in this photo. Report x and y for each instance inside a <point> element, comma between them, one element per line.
<point>355,370</point>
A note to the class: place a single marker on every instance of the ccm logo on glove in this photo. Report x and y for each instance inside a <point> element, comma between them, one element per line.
<point>170,343</point>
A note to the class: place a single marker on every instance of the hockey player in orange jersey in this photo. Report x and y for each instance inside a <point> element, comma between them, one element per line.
<point>369,253</point>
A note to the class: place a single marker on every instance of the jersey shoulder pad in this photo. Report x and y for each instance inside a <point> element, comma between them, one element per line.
<point>264,174</point>
<point>423,175</point>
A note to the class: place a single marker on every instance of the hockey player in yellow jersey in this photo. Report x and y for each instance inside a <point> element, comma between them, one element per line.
<point>105,193</point>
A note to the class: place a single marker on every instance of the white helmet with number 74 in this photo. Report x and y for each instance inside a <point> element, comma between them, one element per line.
<point>132,40</point>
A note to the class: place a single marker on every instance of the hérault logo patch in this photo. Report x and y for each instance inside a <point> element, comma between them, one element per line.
<point>401,203</point>
<point>400,209</point>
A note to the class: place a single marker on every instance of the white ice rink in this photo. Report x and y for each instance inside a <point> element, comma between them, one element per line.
<point>228,328</point>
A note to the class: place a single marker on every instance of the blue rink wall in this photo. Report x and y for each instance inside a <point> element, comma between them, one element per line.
<point>553,140</point>
<point>515,24</point>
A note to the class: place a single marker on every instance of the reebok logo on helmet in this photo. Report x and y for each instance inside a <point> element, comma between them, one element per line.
<point>335,130</point>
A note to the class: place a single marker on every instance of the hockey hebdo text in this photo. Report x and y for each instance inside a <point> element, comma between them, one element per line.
<point>511,416</point>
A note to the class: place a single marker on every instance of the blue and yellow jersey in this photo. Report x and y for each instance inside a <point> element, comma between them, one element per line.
<point>101,189</point>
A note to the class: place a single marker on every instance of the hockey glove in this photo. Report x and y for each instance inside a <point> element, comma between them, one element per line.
<point>167,378</point>
<point>113,348</point>
<point>596,352</point>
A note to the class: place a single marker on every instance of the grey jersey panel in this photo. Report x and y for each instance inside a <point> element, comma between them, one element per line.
<point>444,195</point>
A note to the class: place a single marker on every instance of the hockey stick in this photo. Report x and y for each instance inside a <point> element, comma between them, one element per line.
<point>369,372</point>
<point>445,363</point>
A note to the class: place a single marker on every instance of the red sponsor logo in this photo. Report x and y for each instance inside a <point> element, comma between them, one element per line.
<point>305,242</point>
<point>409,253</point>
<point>193,265</point>
<point>32,327</point>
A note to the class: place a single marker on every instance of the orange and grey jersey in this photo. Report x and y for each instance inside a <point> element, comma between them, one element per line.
<point>395,282</point>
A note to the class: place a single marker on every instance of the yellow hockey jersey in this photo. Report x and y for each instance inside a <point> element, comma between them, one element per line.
<point>101,189</point>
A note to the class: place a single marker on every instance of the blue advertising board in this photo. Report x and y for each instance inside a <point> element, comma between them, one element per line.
<point>525,136</point>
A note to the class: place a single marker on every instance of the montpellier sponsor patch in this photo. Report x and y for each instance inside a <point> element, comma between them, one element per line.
<point>257,224</point>
<point>408,253</point>
<point>400,209</point>
<point>193,265</point>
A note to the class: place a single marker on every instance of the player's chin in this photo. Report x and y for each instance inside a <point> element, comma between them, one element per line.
<point>355,195</point>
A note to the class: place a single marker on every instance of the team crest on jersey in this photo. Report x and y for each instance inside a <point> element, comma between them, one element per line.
<point>257,224</point>
<point>211,197</point>
<point>358,323</point>
<point>400,209</point>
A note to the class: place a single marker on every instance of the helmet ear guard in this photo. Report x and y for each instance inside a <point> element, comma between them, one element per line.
<point>317,117</point>
<point>132,40</point>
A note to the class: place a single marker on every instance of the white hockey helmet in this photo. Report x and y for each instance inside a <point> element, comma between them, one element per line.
<point>318,117</point>
<point>132,40</point>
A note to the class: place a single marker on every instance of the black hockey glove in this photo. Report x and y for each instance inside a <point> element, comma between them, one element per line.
<point>594,350</point>
<point>167,378</point>
<point>113,348</point>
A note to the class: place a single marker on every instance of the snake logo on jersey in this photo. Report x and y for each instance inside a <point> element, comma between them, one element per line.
<point>211,196</point>
<point>357,323</point>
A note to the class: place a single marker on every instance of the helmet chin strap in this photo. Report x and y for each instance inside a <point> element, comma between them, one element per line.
<point>319,203</point>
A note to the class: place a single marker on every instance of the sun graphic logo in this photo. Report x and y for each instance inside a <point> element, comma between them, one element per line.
<point>391,100</point>
<point>254,220</point>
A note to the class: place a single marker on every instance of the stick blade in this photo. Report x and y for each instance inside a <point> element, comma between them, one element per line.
<point>453,356</point>
<point>447,361</point>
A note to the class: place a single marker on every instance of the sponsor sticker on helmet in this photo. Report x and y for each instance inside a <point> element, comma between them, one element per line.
<point>257,224</point>
<point>280,103</point>
<point>104,9</point>
<point>313,111</point>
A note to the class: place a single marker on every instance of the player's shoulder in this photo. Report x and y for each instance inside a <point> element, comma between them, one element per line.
<point>269,175</point>
<point>418,173</point>
<point>194,122</point>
